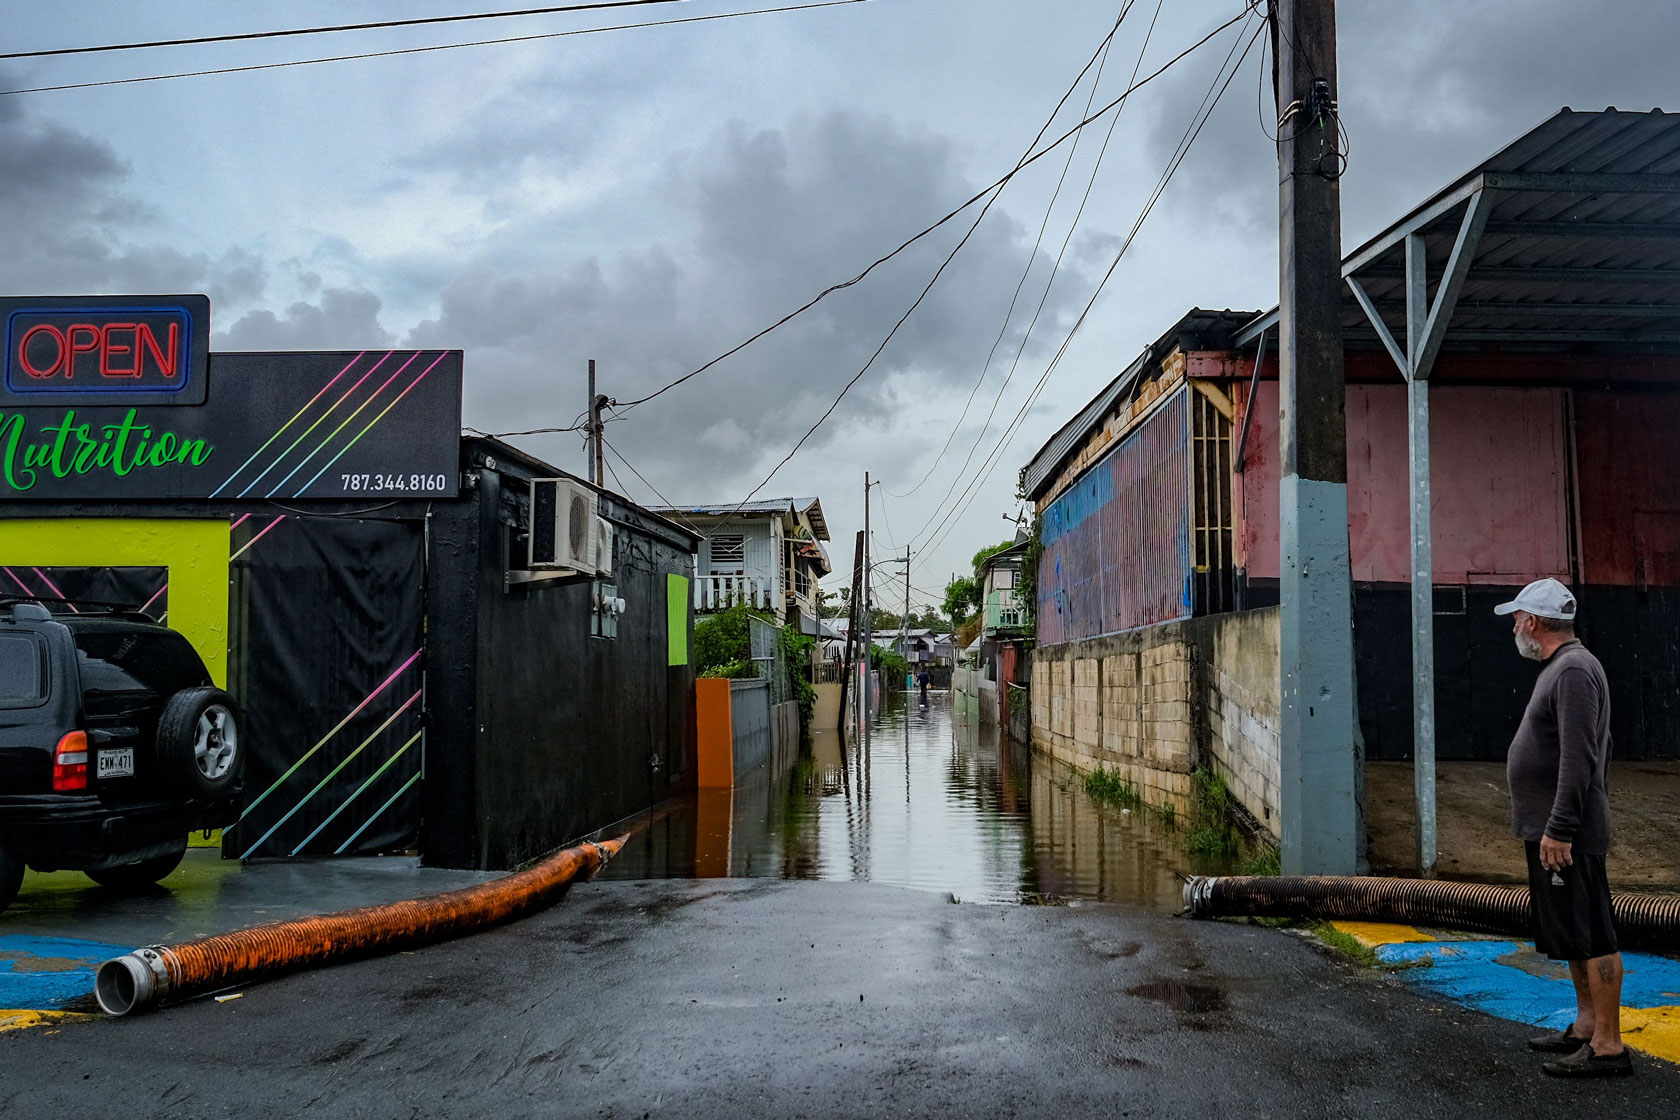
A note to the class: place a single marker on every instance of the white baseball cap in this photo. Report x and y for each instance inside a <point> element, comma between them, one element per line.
<point>1544,597</point>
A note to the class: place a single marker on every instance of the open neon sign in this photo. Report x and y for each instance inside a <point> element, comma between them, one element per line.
<point>99,350</point>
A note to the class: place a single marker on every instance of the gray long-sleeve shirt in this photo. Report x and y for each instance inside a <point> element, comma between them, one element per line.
<point>1558,764</point>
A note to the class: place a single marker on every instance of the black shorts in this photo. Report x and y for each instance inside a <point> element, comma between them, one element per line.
<point>1571,908</point>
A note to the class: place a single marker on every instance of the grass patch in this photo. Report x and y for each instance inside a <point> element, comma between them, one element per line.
<point>1262,859</point>
<point>1112,788</point>
<point>1346,945</point>
<point>1109,786</point>
<point>1213,823</point>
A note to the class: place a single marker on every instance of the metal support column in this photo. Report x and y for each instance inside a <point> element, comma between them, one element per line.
<point>1423,567</point>
<point>1426,329</point>
<point>1318,800</point>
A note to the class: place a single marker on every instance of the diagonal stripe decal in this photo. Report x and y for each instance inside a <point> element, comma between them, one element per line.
<point>372,422</point>
<point>359,790</point>
<point>246,547</point>
<point>334,433</point>
<point>155,596</point>
<point>288,424</point>
<point>310,753</point>
<point>406,786</point>
<point>331,774</point>
<point>249,486</point>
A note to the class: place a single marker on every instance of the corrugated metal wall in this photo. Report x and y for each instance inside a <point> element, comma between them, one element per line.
<point>1117,542</point>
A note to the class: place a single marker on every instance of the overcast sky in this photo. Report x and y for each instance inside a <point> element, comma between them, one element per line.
<point>652,197</point>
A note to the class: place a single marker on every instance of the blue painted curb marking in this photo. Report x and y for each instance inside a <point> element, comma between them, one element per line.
<point>47,973</point>
<point>1510,980</point>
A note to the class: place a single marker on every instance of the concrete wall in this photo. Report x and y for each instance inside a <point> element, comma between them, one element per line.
<point>973,696</point>
<point>1154,704</point>
<point>749,717</point>
<point>825,716</point>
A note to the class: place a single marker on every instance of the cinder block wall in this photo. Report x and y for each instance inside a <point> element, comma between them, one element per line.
<point>1154,704</point>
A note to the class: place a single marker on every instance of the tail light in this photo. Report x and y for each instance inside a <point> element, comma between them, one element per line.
<point>70,763</point>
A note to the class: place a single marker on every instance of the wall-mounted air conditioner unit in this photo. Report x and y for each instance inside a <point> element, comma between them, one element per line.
<point>603,547</point>
<point>563,520</point>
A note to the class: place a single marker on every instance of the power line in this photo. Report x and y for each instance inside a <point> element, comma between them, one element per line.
<point>288,32</point>
<point>428,50</point>
<point>990,463</point>
<point>672,506</point>
<point>997,190</point>
<point>1049,284</point>
<point>982,193</point>
<point>1032,257</point>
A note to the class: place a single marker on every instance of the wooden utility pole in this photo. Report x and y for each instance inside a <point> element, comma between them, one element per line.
<point>1319,798</point>
<point>592,434</point>
<point>851,635</point>
<point>866,700</point>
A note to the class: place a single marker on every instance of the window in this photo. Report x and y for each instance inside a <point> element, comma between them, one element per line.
<point>116,661</point>
<point>1003,579</point>
<point>1009,616</point>
<point>729,550</point>
<point>23,670</point>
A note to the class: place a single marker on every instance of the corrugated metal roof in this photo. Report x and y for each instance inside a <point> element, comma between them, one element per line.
<point>1572,255</point>
<point>811,507</point>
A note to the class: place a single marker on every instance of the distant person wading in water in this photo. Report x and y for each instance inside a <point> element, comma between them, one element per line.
<point>924,679</point>
<point>1557,770</point>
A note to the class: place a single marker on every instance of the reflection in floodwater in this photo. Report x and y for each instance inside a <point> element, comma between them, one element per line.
<point>924,802</point>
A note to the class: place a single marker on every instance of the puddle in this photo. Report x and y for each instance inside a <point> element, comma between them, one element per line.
<point>926,802</point>
<point>1192,999</point>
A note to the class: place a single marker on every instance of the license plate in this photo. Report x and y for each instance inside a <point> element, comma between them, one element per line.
<point>117,763</point>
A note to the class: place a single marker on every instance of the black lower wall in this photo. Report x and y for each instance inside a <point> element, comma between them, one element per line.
<point>1482,684</point>
<point>553,733</point>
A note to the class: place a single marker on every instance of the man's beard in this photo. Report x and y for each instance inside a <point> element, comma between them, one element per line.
<point>1529,646</point>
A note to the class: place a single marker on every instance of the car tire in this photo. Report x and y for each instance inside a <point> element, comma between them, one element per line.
<point>138,876</point>
<point>198,748</point>
<point>11,873</point>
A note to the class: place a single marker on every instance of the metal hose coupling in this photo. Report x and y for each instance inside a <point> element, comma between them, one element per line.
<point>137,980</point>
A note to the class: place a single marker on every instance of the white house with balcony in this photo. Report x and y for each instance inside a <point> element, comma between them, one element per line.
<point>768,554</point>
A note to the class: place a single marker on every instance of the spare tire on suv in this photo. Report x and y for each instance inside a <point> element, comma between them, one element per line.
<point>198,741</point>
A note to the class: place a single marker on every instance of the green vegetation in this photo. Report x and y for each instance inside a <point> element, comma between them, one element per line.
<point>1262,859</point>
<point>1346,945</point>
<point>1213,823</point>
<point>723,648</point>
<point>1111,787</point>
<point>891,666</point>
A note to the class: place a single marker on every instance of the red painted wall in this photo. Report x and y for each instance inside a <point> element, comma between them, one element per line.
<point>1629,487</point>
<point>1499,479</point>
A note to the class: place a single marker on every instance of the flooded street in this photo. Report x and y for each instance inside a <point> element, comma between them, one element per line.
<point>927,802</point>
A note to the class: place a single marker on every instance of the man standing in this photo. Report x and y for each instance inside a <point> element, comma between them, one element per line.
<point>924,679</point>
<point>1560,806</point>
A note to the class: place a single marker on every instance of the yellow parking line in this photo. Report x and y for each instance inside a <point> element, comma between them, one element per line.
<point>22,1020</point>
<point>1374,934</point>
<point>1655,1030</point>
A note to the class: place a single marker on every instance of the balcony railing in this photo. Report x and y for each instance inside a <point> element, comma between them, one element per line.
<point>717,593</point>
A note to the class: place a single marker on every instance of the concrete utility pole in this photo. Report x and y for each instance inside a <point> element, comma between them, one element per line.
<point>1319,801</point>
<point>904,623</point>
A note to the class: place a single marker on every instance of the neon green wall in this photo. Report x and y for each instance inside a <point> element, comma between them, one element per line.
<point>195,552</point>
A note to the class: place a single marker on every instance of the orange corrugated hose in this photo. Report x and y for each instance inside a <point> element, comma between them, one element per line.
<point>150,976</point>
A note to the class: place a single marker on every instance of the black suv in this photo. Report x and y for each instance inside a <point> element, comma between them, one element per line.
<point>114,746</point>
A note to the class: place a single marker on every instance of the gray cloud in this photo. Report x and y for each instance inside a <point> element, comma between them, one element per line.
<point>777,214</point>
<point>342,320</point>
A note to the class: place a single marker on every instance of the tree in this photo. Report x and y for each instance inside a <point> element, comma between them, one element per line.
<point>962,598</point>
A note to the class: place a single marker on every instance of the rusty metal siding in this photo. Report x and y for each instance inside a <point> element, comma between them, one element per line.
<point>1117,542</point>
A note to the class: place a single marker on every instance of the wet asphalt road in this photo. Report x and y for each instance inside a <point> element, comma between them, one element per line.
<point>732,998</point>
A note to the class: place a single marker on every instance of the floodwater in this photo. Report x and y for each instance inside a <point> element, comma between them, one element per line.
<point>926,801</point>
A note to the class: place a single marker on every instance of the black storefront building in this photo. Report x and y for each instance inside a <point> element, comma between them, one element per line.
<point>358,575</point>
